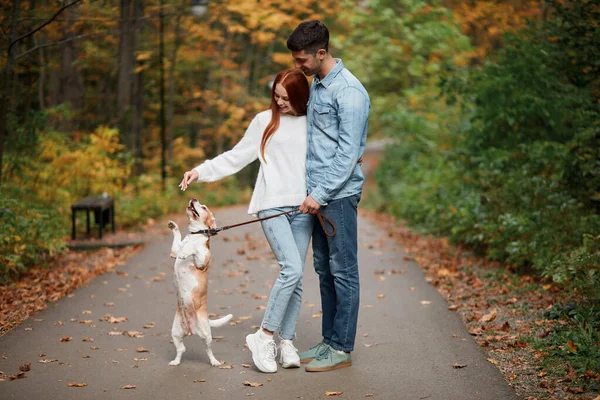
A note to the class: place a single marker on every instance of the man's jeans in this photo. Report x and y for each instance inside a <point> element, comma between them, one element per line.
<point>336,263</point>
<point>289,236</point>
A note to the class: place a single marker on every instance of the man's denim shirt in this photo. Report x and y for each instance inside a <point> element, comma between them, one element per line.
<point>338,114</point>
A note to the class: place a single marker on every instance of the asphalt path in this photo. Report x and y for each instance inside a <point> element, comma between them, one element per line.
<point>406,346</point>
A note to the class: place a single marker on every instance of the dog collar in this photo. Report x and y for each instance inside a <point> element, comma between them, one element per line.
<point>209,232</point>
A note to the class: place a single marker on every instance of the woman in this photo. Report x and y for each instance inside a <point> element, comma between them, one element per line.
<point>278,138</point>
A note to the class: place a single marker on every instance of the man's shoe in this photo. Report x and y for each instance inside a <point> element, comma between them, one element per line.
<point>313,352</point>
<point>288,354</point>
<point>329,360</point>
<point>263,352</point>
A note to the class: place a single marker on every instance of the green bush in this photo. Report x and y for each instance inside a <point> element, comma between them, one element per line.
<point>520,181</point>
<point>29,232</point>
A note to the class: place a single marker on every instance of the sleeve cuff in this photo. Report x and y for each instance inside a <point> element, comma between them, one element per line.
<point>319,196</point>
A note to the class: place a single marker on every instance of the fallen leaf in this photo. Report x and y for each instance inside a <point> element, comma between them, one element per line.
<point>28,329</point>
<point>66,339</point>
<point>142,350</point>
<point>86,312</point>
<point>381,278</point>
<point>94,348</point>
<point>115,333</point>
<point>244,318</point>
<point>380,296</point>
<point>576,389</point>
<point>74,384</point>
<point>25,367</point>
<point>109,304</point>
<point>453,307</point>
<point>199,380</point>
<point>226,367</point>
<point>45,361</point>
<point>425,302</point>
<point>246,365</point>
<point>489,317</point>
<point>134,334</point>
<point>333,393</point>
<point>140,359</point>
<point>85,356</point>
<point>572,346</point>
<point>316,315</point>
<point>457,366</point>
<point>369,395</point>
<point>128,387</point>
<point>87,339</point>
<point>252,384</point>
<point>86,321</point>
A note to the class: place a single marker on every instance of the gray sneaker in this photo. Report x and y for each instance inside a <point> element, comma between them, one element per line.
<point>313,352</point>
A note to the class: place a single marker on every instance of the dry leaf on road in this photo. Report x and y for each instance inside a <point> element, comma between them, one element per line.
<point>142,350</point>
<point>66,339</point>
<point>128,387</point>
<point>457,366</point>
<point>333,393</point>
<point>199,380</point>
<point>252,384</point>
<point>75,384</point>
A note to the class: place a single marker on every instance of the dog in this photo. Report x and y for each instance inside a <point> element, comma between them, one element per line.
<point>192,258</point>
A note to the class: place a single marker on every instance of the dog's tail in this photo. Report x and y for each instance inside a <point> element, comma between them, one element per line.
<point>215,323</point>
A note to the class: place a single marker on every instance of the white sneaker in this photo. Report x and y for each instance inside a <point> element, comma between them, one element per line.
<point>263,352</point>
<point>288,354</point>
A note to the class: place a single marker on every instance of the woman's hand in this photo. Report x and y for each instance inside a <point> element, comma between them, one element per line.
<point>188,177</point>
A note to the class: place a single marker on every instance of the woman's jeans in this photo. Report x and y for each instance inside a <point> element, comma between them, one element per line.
<point>289,236</point>
<point>336,263</point>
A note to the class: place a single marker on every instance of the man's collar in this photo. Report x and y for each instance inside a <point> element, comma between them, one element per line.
<point>331,75</point>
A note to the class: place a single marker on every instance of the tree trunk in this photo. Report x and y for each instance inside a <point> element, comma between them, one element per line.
<point>6,84</point>
<point>137,121</point>
<point>171,83</point>
<point>124,85</point>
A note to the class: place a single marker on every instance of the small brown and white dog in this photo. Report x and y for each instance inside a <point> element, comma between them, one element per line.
<point>192,256</point>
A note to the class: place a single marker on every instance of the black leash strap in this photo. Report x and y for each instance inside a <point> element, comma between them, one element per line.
<point>320,217</point>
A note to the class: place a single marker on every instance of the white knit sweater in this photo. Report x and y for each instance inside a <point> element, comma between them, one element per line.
<point>281,178</point>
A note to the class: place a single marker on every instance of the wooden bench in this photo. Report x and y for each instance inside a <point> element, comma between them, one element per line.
<point>102,206</point>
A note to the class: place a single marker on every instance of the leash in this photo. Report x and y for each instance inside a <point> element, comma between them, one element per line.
<point>322,219</point>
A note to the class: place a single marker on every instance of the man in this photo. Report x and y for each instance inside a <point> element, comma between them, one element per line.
<point>338,111</point>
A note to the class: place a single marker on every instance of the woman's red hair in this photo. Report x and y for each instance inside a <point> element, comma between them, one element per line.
<point>296,86</point>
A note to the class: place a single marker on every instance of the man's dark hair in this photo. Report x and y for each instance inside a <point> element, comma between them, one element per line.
<point>309,36</point>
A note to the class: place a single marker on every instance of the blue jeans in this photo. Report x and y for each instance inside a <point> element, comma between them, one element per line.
<point>336,263</point>
<point>289,236</point>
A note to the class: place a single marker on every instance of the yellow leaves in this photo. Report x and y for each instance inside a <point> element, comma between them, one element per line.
<point>282,58</point>
<point>333,393</point>
<point>75,384</point>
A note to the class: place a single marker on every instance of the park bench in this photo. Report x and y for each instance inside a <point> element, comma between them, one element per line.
<point>104,212</point>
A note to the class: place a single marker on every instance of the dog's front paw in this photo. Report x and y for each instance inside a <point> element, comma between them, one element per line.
<point>172,225</point>
<point>174,363</point>
<point>215,362</point>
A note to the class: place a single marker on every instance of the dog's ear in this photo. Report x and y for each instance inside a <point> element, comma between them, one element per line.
<point>209,220</point>
<point>212,224</point>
